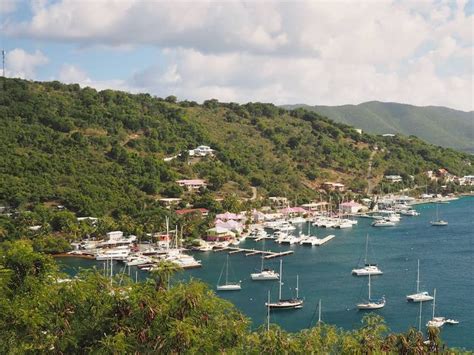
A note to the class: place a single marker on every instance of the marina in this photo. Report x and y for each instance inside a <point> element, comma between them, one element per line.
<point>325,273</point>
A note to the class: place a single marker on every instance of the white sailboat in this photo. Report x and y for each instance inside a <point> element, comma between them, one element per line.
<point>436,322</point>
<point>227,286</point>
<point>264,274</point>
<point>419,296</point>
<point>291,303</point>
<point>368,269</point>
<point>438,222</point>
<point>371,303</point>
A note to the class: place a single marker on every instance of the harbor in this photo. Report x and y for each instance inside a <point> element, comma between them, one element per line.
<point>325,273</point>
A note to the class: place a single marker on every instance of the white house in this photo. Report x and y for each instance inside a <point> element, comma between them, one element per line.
<point>466,180</point>
<point>201,151</point>
<point>393,178</point>
<point>194,184</point>
<point>351,207</point>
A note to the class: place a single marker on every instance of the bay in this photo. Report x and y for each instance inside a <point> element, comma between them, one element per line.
<point>446,263</point>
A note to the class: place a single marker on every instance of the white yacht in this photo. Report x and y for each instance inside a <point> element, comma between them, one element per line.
<point>368,269</point>
<point>371,303</point>
<point>410,212</point>
<point>264,274</point>
<point>297,220</point>
<point>419,296</point>
<point>436,322</point>
<point>232,286</point>
<point>290,239</point>
<point>138,259</point>
<point>118,253</point>
<point>344,223</point>
<point>383,223</point>
<point>438,222</point>
<point>291,303</point>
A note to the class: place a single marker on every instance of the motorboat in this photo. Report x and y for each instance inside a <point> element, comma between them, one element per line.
<point>290,239</point>
<point>419,296</point>
<point>383,223</point>
<point>118,253</point>
<point>297,220</point>
<point>451,321</point>
<point>409,213</point>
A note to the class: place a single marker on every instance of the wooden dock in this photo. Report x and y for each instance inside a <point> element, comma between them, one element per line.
<point>249,252</point>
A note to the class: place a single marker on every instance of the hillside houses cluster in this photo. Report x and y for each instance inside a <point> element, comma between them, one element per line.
<point>443,175</point>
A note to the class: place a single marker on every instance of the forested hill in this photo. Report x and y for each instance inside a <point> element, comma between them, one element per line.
<point>102,152</point>
<point>438,125</point>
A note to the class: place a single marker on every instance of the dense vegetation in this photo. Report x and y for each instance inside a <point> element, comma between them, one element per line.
<point>42,312</point>
<point>437,125</point>
<point>101,153</point>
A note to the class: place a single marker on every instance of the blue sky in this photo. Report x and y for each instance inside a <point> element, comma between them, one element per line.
<point>312,52</point>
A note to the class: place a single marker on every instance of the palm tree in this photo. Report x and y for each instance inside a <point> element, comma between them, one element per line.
<point>163,272</point>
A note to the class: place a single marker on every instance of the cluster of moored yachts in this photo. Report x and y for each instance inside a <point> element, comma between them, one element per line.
<point>297,302</point>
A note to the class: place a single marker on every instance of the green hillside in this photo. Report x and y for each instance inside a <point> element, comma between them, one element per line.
<point>437,125</point>
<point>102,153</point>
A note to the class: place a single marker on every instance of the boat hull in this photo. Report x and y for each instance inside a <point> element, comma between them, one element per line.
<point>266,277</point>
<point>285,304</point>
<point>236,287</point>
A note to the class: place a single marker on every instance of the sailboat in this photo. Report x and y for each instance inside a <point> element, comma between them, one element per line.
<point>371,303</point>
<point>368,269</point>
<point>227,286</point>
<point>419,296</point>
<point>291,303</point>
<point>438,222</point>
<point>264,274</point>
<point>436,322</point>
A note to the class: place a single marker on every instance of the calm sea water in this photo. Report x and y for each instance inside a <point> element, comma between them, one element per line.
<point>446,257</point>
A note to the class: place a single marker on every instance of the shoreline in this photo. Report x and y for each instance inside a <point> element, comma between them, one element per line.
<point>67,255</point>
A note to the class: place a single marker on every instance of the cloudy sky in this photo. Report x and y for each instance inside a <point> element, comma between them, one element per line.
<point>314,52</point>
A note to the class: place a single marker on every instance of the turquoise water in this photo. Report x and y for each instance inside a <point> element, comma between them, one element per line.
<point>446,257</point>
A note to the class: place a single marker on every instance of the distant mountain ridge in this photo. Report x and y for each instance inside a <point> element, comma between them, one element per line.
<point>436,124</point>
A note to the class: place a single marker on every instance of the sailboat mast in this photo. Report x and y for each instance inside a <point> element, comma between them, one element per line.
<point>434,302</point>
<point>297,286</point>
<point>366,248</point>
<point>281,278</point>
<point>319,311</point>
<point>419,318</point>
<point>268,312</point>
<point>369,289</point>
<point>418,278</point>
<point>227,270</point>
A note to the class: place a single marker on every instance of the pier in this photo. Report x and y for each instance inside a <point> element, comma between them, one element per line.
<point>250,252</point>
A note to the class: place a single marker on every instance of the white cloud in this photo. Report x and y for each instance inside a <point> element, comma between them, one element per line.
<point>8,6</point>
<point>304,51</point>
<point>21,64</point>
<point>72,74</point>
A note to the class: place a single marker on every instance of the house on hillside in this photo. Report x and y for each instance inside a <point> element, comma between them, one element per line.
<point>316,206</point>
<point>169,201</point>
<point>201,151</point>
<point>202,211</point>
<point>393,178</point>
<point>278,201</point>
<point>351,207</point>
<point>333,186</point>
<point>219,234</point>
<point>193,184</point>
<point>466,180</point>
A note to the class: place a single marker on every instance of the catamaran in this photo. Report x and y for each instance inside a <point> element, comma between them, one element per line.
<point>368,269</point>
<point>227,286</point>
<point>438,222</point>
<point>291,303</point>
<point>371,303</point>
<point>419,296</point>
